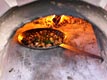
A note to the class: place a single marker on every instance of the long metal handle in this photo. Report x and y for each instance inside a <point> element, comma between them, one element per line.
<point>80,52</point>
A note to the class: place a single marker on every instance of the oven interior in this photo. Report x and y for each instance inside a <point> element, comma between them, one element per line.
<point>21,63</point>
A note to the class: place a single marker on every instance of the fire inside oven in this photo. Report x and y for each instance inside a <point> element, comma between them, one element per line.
<point>72,48</point>
<point>49,31</point>
<point>52,31</point>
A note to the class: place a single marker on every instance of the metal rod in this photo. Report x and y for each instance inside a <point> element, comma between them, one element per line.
<point>80,52</point>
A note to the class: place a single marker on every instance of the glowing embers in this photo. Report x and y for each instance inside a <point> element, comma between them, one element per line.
<point>41,38</point>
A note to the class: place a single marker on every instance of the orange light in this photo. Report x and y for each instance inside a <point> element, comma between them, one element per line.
<point>76,31</point>
<point>48,19</point>
<point>20,37</point>
<point>63,17</point>
<point>63,24</point>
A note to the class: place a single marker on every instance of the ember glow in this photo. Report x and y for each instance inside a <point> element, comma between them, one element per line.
<point>75,30</point>
<point>69,25</point>
<point>20,37</point>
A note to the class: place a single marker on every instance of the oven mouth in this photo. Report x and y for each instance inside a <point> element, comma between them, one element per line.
<point>50,32</point>
<point>23,60</point>
<point>41,38</point>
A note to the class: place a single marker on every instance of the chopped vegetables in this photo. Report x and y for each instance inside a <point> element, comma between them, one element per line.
<point>42,38</point>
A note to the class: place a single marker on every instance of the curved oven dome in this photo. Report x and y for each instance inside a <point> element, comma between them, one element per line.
<point>20,63</point>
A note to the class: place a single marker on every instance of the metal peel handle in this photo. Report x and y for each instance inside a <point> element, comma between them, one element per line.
<point>80,52</point>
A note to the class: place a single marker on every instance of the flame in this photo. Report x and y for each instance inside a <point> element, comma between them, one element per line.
<point>49,20</point>
<point>64,23</point>
<point>63,18</point>
<point>72,28</point>
<point>20,37</point>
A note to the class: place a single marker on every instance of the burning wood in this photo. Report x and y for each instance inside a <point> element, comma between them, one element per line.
<point>56,19</point>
